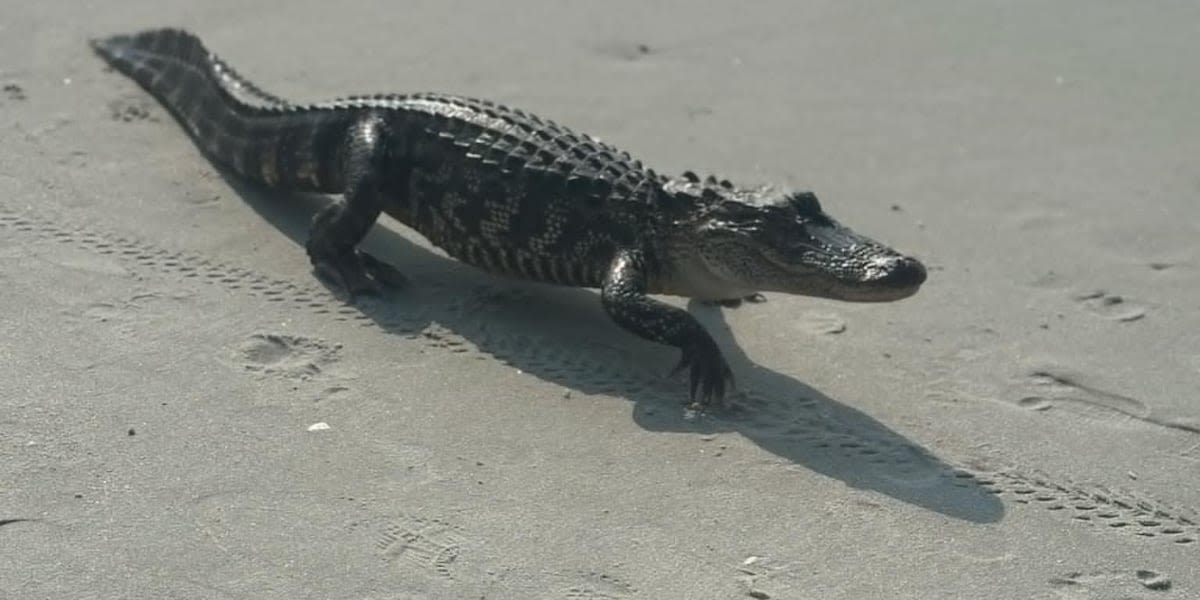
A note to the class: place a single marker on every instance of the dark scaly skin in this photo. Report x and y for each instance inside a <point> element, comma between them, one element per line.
<point>517,195</point>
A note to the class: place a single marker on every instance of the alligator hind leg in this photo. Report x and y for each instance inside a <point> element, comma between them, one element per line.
<point>338,229</point>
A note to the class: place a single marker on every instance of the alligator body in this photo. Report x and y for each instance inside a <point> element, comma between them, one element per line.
<point>517,195</point>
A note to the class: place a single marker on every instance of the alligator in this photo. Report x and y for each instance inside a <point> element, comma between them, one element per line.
<point>519,196</point>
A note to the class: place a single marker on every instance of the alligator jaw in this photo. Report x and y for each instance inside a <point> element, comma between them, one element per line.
<point>844,265</point>
<point>732,241</point>
<point>886,277</point>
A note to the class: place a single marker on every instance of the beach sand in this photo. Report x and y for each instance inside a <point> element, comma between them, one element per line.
<point>185,412</point>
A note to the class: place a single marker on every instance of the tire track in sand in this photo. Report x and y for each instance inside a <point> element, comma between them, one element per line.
<point>602,370</point>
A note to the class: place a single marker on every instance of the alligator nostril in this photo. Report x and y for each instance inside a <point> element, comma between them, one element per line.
<point>908,270</point>
<point>900,271</point>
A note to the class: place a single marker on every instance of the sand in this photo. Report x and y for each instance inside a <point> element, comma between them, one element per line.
<point>186,413</point>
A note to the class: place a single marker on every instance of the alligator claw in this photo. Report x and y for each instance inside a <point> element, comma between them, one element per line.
<point>709,374</point>
<point>356,274</point>
<point>381,271</point>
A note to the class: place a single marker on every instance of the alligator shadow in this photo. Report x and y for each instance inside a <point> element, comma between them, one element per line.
<point>562,336</point>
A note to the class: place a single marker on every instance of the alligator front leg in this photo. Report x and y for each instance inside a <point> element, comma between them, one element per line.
<point>623,294</point>
<point>338,229</point>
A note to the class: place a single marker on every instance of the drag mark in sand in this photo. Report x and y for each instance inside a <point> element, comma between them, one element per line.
<point>598,369</point>
<point>1055,389</point>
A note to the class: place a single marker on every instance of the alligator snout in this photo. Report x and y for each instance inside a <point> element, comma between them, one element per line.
<point>896,271</point>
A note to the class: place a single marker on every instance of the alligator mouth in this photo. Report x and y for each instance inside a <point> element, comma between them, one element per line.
<point>886,278</point>
<point>859,269</point>
<point>883,278</point>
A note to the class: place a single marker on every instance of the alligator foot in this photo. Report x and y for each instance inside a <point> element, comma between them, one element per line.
<point>709,374</point>
<point>355,274</point>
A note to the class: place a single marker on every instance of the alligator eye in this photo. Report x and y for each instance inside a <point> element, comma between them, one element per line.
<point>805,204</point>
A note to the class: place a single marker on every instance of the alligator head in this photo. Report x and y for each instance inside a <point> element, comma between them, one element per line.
<point>732,242</point>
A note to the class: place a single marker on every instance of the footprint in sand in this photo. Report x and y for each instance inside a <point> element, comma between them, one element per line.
<point>1054,388</point>
<point>1133,584</point>
<point>623,51</point>
<point>593,585</point>
<point>1057,389</point>
<point>430,545</point>
<point>288,356</point>
<point>764,577</point>
<point>14,92</point>
<point>819,323</point>
<point>131,109</point>
<point>1110,306</point>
